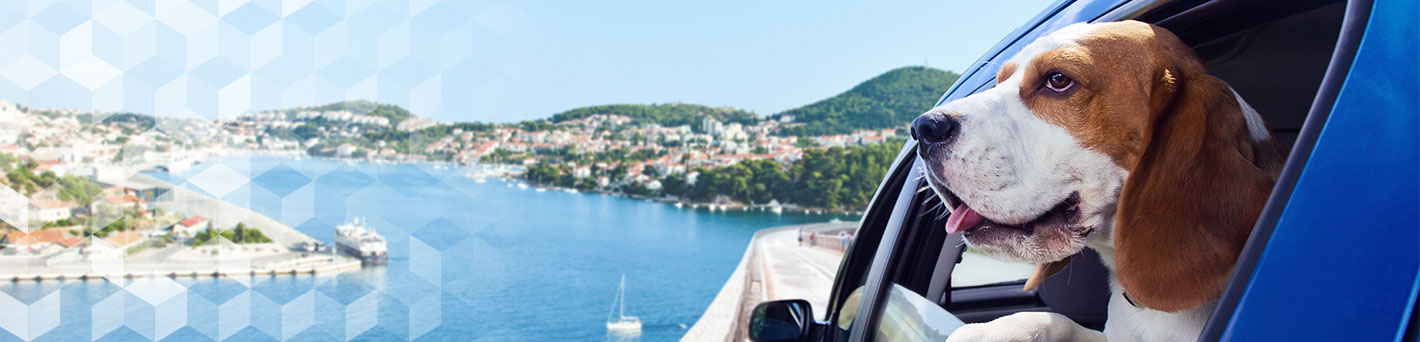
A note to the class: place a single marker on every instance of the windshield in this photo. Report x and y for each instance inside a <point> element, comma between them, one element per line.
<point>447,169</point>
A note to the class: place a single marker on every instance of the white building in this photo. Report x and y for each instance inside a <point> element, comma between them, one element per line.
<point>191,225</point>
<point>50,211</point>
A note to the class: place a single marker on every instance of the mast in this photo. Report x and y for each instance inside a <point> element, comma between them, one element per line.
<point>616,301</point>
<point>622,294</point>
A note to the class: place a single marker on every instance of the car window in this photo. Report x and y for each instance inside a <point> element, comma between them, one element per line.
<point>907,316</point>
<point>850,309</point>
<point>976,268</point>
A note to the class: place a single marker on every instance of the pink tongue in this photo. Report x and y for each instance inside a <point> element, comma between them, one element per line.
<point>962,219</point>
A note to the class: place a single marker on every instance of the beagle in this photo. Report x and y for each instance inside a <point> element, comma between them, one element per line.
<point>1109,136</point>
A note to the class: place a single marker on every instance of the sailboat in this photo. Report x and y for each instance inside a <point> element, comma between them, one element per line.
<point>624,324</point>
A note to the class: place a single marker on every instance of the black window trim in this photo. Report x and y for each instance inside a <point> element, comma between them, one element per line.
<point>865,324</point>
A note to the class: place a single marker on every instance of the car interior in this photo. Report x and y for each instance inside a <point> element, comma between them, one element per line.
<point>1273,53</point>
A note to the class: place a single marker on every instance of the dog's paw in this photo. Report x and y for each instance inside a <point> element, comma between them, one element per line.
<point>1025,327</point>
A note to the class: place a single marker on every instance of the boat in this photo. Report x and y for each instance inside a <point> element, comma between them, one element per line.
<point>522,185</point>
<point>480,180</point>
<point>623,325</point>
<point>354,239</point>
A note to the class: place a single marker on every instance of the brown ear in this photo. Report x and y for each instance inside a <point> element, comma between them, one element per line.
<point>1046,270</point>
<point>1191,201</point>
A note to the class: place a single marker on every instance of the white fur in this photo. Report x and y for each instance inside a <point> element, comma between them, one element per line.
<point>1255,126</point>
<point>1011,167</point>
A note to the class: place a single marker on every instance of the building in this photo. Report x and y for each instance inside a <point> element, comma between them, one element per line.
<point>191,225</point>
<point>122,202</point>
<point>345,150</point>
<point>50,211</point>
<point>124,239</point>
<point>43,241</point>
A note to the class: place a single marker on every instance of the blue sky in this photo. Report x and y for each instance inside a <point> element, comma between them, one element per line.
<point>475,61</point>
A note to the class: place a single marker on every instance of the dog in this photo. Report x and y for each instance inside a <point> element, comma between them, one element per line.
<point>1109,136</point>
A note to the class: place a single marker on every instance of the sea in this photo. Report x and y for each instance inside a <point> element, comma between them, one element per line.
<point>469,261</point>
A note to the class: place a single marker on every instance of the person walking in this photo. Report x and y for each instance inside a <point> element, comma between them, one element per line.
<point>812,237</point>
<point>801,236</point>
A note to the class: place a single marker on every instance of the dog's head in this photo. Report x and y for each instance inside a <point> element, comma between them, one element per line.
<point>1111,133</point>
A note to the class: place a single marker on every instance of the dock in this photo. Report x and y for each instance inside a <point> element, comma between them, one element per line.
<point>281,257</point>
<point>143,271</point>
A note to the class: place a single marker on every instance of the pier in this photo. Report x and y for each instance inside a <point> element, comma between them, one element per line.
<point>280,257</point>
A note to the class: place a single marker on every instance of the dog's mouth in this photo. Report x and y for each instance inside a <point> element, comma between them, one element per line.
<point>964,219</point>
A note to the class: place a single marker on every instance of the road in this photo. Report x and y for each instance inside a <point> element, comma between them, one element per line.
<point>792,271</point>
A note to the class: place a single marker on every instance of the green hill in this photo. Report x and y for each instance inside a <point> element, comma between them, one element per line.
<point>889,100</point>
<point>367,107</point>
<point>665,114</point>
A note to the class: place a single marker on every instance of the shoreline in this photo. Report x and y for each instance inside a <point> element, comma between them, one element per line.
<point>712,206</point>
<point>235,260</point>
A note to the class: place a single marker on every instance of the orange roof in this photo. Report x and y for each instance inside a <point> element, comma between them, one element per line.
<point>193,221</point>
<point>59,236</point>
<point>123,238</point>
<point>123,199</point>
<point>51,204</point>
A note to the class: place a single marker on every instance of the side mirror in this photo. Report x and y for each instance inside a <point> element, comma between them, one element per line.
<point>781,320</point>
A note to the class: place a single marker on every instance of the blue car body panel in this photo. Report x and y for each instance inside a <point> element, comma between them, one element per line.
<point>1342,261</point>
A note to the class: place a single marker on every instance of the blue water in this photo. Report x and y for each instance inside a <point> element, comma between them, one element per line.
<point>469,261</point>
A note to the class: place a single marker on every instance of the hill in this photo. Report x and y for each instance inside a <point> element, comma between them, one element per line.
<point>887,101</point>
<point>665,114</point>
<point>367,107</point>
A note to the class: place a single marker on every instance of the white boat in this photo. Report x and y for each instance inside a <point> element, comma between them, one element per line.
<point>480,180</point>
<point>623,325</point>
<point>354,239</point>
<point>522,185</point>
<point>541,189</point>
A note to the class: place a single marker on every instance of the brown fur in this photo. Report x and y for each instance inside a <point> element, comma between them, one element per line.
<point>1197,180</point>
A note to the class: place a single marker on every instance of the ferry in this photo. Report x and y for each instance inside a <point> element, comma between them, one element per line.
<point>354,239</point>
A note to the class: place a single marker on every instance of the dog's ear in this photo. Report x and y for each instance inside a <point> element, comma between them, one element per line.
<point>1045,270</point>
<point>1190,203</point>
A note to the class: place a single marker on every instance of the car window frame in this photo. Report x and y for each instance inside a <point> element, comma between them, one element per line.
<point>863,250</point>
<point>875,292</point>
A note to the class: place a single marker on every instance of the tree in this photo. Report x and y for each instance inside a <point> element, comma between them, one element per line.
<point>886,101</point>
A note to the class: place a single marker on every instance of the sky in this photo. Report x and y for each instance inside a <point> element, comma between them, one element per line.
<point>492,61</point>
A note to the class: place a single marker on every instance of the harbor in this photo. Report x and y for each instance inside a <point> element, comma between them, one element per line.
<point>282,255</point>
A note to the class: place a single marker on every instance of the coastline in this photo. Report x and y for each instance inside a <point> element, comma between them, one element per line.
<point>281,257</point>
<point>712,206</point>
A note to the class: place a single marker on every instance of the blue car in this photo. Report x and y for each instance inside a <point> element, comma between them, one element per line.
<point>1333,257</point>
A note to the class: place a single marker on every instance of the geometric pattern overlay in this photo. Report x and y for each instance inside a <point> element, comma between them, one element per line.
<point>218,59</point>
<point>344,306</point>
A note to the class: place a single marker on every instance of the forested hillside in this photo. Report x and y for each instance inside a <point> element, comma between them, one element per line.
<point>665,114</point>
<point>887,101</point>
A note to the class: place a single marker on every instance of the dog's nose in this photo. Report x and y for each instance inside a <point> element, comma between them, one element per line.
<point>934,127</point>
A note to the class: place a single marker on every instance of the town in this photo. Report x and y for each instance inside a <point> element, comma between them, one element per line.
<point>75,204</point>
<point>77,190</point>
<point>621,151</point>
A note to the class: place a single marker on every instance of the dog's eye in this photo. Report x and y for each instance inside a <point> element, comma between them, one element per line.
<point>1058,82</point>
